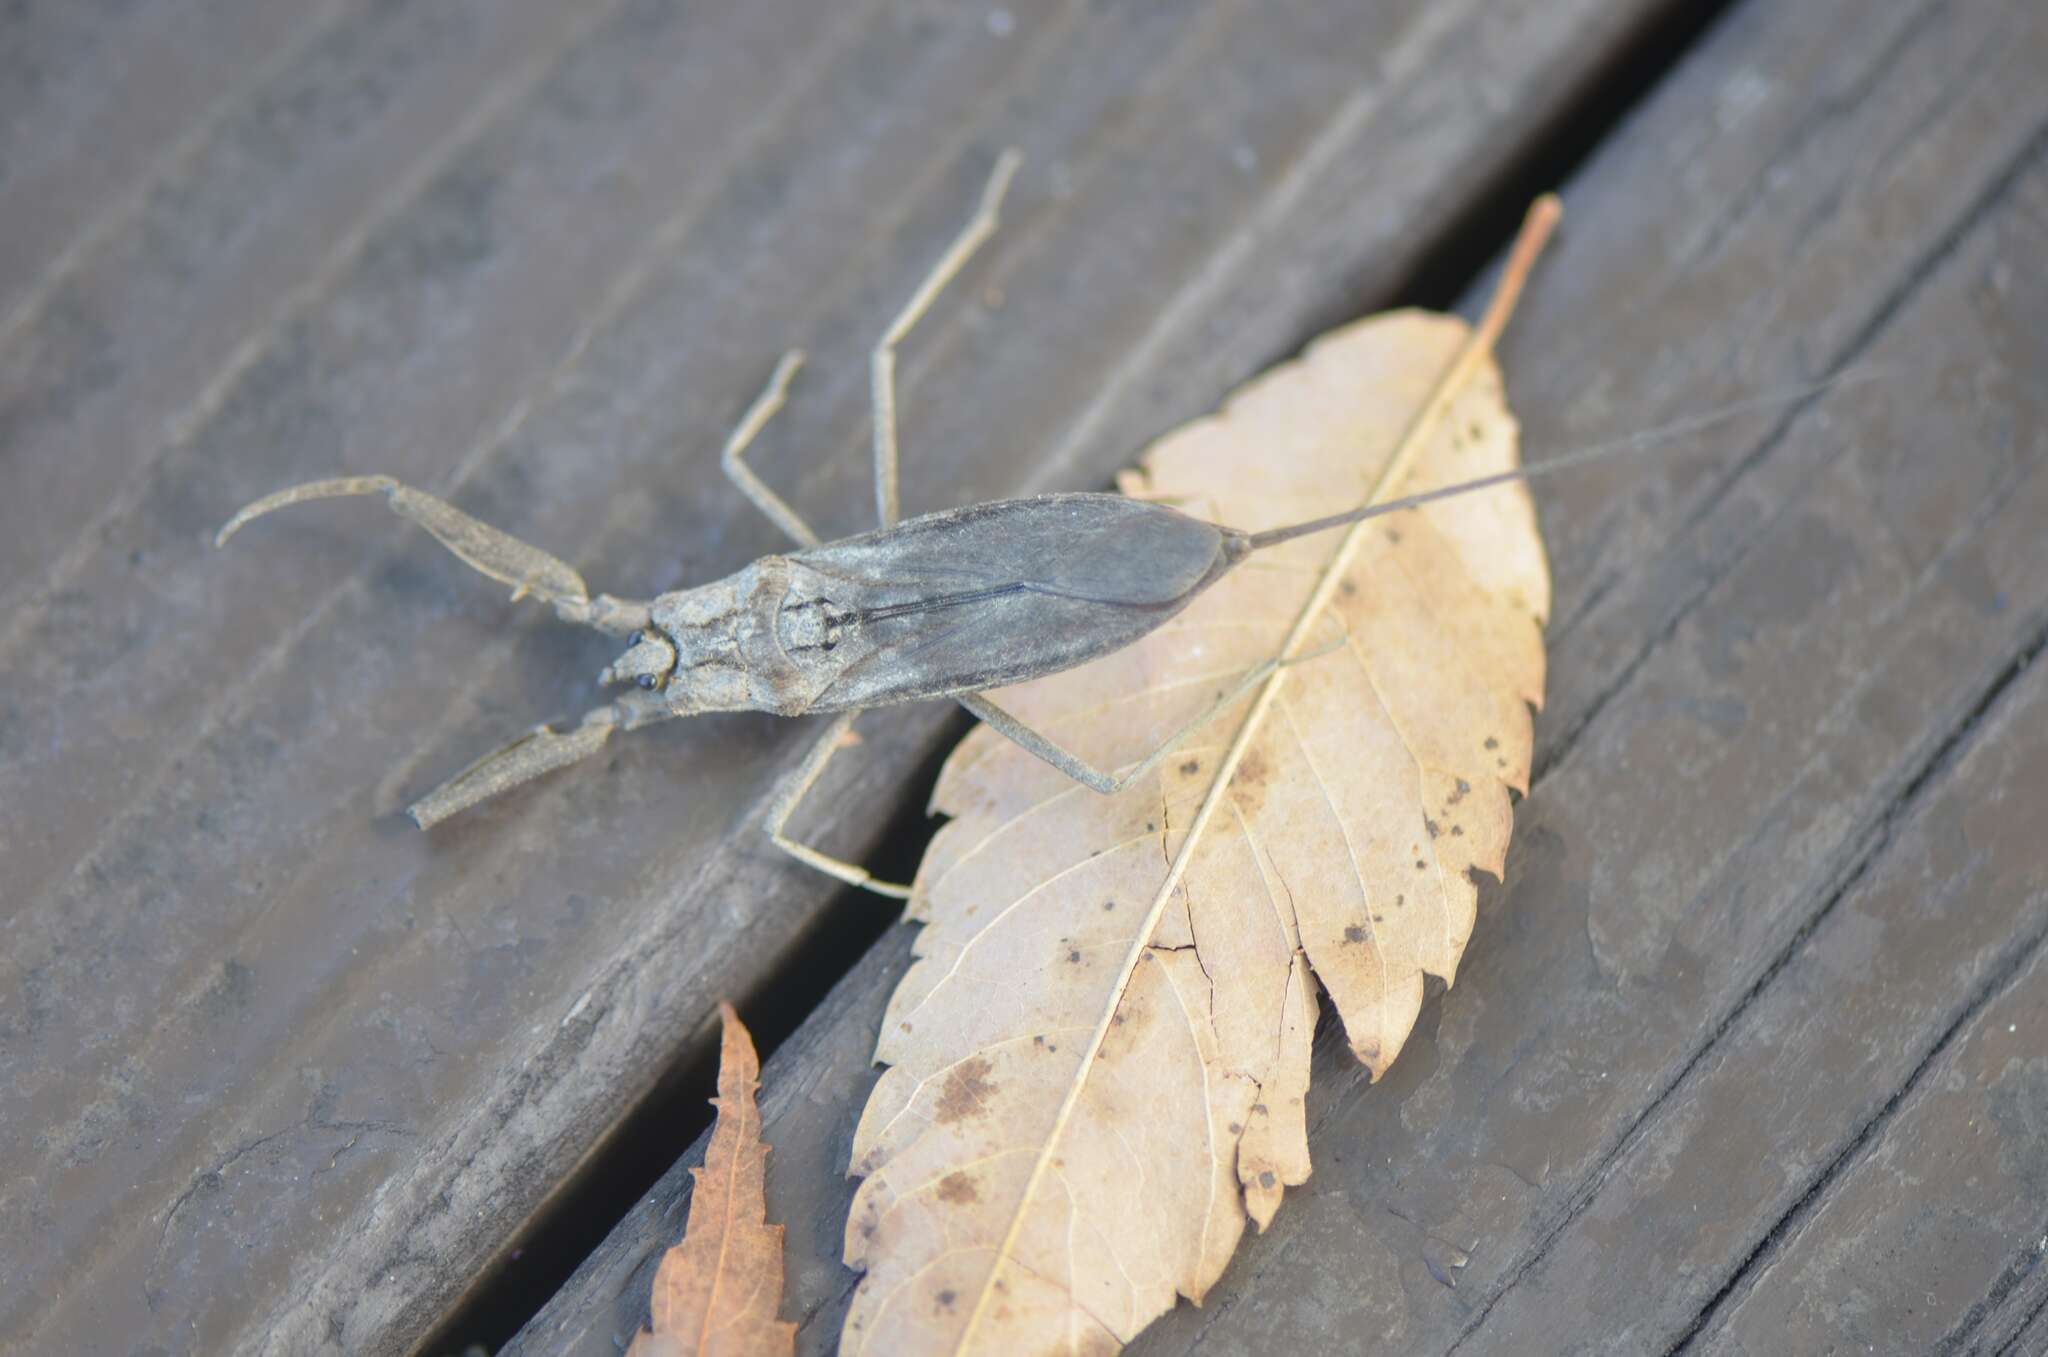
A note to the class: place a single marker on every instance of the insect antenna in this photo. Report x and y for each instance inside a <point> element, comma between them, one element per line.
<point>1646,440</point>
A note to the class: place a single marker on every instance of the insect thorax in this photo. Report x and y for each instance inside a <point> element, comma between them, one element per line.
<point>759,640</point>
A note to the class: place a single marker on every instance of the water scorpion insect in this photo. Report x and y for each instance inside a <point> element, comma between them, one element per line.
<point>946,605</point>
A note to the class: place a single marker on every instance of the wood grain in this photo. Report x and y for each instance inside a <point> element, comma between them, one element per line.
<point>1773,880</point>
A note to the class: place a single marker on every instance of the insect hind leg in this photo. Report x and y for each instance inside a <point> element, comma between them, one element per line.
<point>483,548</point>
<point>1036,742</point>
<point>882,359</point>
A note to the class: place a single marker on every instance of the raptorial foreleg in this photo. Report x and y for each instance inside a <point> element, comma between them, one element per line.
<point>540,750</point>
<point>488,550</point>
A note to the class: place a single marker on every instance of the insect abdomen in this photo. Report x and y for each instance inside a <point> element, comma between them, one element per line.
<point>1003,592</point>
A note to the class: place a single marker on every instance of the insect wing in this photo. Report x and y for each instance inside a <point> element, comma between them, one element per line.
<point>1101,547</point>
<point>1001,592</point>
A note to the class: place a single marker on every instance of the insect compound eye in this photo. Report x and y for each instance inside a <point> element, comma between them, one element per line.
<point>645,680</point>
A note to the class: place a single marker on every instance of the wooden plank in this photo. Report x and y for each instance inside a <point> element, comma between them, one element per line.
<point>1768,661</point>
<point>2031,1335</point>
<point>250,1014</point>
<point>1936,1240</point>
<point>75,163</point>
<point>127,347</point>
<point>1827,1150</point>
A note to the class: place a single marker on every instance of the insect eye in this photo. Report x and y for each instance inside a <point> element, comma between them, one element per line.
<point>645,680</point>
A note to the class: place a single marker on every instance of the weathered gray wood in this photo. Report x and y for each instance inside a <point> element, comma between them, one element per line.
<point>75,160</point>
<point>285,1075</point>
<point>1709,978</point>
<point>1935,1239</point>
<point>2029,1326</point>
<point>126,342</point>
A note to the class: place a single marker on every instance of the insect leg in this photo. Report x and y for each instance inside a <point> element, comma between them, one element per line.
<point>540,750</point>
<point>740,474</point>
<point>882,361</point>
<point>1079,769</point>
<point>792,791</point>
<point>486,549</point>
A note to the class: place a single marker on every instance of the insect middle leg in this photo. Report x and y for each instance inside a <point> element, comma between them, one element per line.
<point>774,506</point>
<point>792,791</point>
<point>882,378</point>
<point>882,391</point>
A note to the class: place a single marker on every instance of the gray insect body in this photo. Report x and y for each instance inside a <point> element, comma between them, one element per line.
<point>946,604</point>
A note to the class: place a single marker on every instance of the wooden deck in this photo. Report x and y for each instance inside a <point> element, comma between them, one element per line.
<point>1749,1053</point>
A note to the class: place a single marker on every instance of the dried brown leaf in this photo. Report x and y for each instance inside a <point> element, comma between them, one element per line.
<point>716,1292</point>
<point>1098,1063</point>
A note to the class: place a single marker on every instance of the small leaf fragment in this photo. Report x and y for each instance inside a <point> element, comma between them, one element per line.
<point>716,1291</point>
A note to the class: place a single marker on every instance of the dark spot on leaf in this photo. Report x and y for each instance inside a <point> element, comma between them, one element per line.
<point>947,1297</point>
<point>1463,788</point>
<point>1258,1109</point>
<point>1492,743</point>
<point>1354,934</point>
<point>1108,905</point>
<point>958,1189</point>
<point>1267,1179</point>
<point>1347,586</point>
<point>1074,956</point>
<point>1432,826</point>
<point>1394,536</point>
<point>1400,900</point>
<point>966,1091</point>
<point>1420,865</point>
<point>1236,1129</point>
<point>1457,831</point>
<point>1191,767</point>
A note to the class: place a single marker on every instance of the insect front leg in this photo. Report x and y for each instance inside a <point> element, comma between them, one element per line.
<point>792,791</point>
<point>485,549</point>
<point>882,361</point>
<point>540,750</point>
